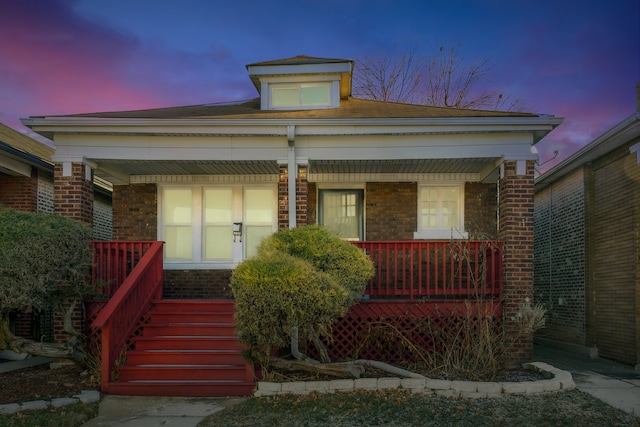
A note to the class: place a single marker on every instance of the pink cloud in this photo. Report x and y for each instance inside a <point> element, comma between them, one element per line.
<point>55,62</point>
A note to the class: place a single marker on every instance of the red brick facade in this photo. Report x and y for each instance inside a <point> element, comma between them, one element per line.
<point>19,192</point>
<point>73,195</point>
<point>391,210</point>
<point>135,212</point>
<point>516,232</point>
<point>480,207</point>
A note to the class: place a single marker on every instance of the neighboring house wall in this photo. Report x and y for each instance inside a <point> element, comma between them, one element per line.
<point>102,217</point>
<point>613,227</point>
<point>19,192</point>
<point>45,195</point>
<point>559,251</point>
<point>587,253</point>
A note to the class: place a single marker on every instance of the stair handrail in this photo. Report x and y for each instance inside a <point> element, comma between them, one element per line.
<point>120,316</point>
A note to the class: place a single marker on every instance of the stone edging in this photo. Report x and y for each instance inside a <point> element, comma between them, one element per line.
<point>86,396</point>
<point>555,380</point>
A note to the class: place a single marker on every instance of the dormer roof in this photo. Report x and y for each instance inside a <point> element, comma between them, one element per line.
<point>303,65</point>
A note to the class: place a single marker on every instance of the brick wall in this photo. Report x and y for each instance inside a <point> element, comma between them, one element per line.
<point>613,230</point>
<point>19,192</point>
<point>559,251</point>
<point>516,232</point>
<point>73,195</point>
<point>135,214</point>
<point>391,210</point>
<point>187,284</point>
<point>480,210</point>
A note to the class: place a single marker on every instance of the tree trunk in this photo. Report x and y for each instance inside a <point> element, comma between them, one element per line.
<point>72,349</point>
<point>331,369</point>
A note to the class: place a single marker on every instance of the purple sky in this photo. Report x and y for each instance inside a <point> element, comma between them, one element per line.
<point>577,59</point>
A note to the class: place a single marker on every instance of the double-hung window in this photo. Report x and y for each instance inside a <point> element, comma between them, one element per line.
<point>214,226</point>
<point>441,211</point>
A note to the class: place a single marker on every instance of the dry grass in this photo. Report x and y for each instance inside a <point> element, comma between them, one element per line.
<point>400,408</point>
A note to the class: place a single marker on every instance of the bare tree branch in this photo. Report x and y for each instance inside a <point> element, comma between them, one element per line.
<point>442,79</point>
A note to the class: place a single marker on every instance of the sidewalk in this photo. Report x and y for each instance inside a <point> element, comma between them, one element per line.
<point>615,384</point>
<point>127,411</point>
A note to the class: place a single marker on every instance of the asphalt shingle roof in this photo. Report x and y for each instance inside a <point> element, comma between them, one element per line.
<point>349,109</point>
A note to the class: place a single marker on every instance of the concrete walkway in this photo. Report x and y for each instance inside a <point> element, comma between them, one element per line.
<point>126,411</point>
<point>615,384</point>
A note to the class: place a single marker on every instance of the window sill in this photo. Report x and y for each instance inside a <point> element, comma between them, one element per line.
<point>440,234</point>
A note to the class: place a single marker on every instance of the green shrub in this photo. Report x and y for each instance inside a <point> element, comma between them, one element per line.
<point>44,259</point>
<point>327,252</point>
<point>305,277</point>
<point>276,291</point>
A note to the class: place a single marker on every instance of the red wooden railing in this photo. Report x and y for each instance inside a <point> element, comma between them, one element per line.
<point>132,293</point>
<point>434,268</point>
<point>113,261</point>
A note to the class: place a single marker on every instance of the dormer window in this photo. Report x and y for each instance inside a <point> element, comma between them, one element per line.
<point>300,95</point>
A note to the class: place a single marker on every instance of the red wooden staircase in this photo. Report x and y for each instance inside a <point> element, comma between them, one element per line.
<point>188,348</point>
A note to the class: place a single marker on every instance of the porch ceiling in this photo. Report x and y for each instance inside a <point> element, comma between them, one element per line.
<point>116,170</point>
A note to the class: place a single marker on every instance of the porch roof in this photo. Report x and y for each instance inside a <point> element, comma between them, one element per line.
<point>367,139</point>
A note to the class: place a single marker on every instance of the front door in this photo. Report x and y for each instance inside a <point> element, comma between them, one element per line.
<point>341,211</point>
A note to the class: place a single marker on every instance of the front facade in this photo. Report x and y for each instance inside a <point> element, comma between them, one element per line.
<point>587,246</point>
<point>212,180</point>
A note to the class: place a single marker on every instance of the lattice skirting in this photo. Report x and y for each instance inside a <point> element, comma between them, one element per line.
<point>386,330</point>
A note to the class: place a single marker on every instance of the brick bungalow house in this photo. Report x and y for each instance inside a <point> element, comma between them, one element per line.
<point>27,184</point>
<point>211,180</point>
<point>587,246</point>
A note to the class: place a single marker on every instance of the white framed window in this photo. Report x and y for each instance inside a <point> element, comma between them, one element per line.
<point>300,95</point>
<point>440,211</point>
<point>214,226</point>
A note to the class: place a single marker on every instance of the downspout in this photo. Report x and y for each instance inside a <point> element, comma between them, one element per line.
<point>292,173</point>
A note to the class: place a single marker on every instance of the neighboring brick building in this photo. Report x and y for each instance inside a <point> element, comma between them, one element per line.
<point>212,180</point>
<point>587,245</point>
<point>27,184</point>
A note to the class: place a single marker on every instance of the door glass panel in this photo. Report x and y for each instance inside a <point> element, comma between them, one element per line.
<point>259,215</point>
<point>218,215</point>
<point>218,242</point>
<point>259,205</point>
<point>254,235</point>
<point>218,205</point>
<point>341,212</point>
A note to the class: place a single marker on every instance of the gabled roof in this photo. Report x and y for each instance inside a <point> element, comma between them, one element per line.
<point>299,60</point>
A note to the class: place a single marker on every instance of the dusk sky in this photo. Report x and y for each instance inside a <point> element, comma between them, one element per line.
<point>577,59</point>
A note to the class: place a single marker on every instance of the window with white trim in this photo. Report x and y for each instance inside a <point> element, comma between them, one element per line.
<point>302,95</point>
<point>440,211</point>
<point>214,226</point>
